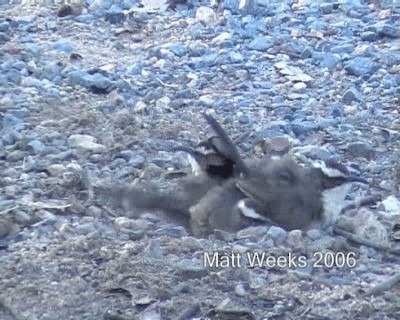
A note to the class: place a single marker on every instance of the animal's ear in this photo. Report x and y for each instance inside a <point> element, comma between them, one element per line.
<point>225,144</point>
<point>221,147</point>
<point>286,174</point>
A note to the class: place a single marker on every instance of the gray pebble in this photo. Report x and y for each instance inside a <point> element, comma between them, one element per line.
<point>322,244</point>
<point>301,128</point>
<point>277,234</point>
<point>153,250</point>
<point>173,232</point>
<point>313,234</point>
<point>261,44</point>
<point>16,155</point>
<point>361,66</point>
<point>361,149</point>
<point>253,233</point>
<point>189,269</point>
<point>326,8</point>
<point>6,226</point>
<point>350,96</point>
<point>87,80</point>
<point>35,147</point>
<point>4,26</point>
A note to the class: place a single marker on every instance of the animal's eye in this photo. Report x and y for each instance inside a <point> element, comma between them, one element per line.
<point>285,175</point>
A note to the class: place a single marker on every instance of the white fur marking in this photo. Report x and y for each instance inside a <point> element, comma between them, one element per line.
<point>249,212</point>
<point>204,150</point>
<point>329,172</point>
<point>196,169</point>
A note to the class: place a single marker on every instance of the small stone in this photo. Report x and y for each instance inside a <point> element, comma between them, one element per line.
<point>326,60</point>
<point>153,250</point>
<point>277,145</point>
<point>223,235</point>
<point>189,269</point>
<point>137,161</point>
<point>96,83</point>
<point>322,244</point>
<point>9,138</point>
<point>299,86</point>
<point>369,36</point>
<point>361,149</point>
<point>224,36</point>
<point>133,235</point>
<point>141,107</point>
<point>240,290</point>
<point>295,240</point>
<point>253,233</point>
<point>16,155</point>
<point>231,5</point>
<point>326,8</point>
<point>115,15</point>
<point>5,204</point>
<point>237,248</point>
<point>277,234</point>
<point>85,229</point>
<point>6,226</point>
<point>127,154</point>
<point>387,30</point>
<point>178,49</point>
<point>386,14</point>
<point>132,224</point>
<point>366,225</point>
<point>361,66</point>
<point>122,222</point>
<point>85,143</point>
<point>206,16</point>
<point>11,173</point>
<point>163,102</point>
<point>56,170</point>
<point>151,171</point>
<point>117,163</point>
<point>173,232</point>
<point>391,204</point>
<point>22,217</point>
<point>45,215</point>
<point>307,53</point>
<point>325,123</point>
<point>387,185</point>
<point>63,46</point>
<point>95,211</point>
<point>52,70</point>
<point>244,119</point>
<point>4,26</point>
<point>313,234</point>
<point>260,44</point>
<point>247,6</point>
<point>35,146</point>
<point>301,128</point>
<point>350,96</point>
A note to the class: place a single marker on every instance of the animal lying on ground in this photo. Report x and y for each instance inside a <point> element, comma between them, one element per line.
<point>224,192</point>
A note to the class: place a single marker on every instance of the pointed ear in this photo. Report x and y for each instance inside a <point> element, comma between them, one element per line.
<point>225,144</point>
<point>221,147</point>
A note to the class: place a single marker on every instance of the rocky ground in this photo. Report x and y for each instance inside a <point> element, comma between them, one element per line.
<point>94,91</point>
